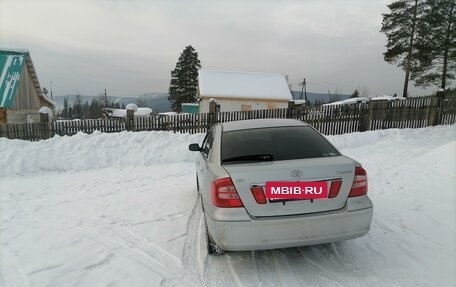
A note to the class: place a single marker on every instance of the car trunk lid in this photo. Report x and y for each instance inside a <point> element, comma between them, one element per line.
<point>248,175</point>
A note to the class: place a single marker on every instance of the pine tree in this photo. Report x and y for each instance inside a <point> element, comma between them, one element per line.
<point>436,60</point>
<point>95,109</point>
<point>65,108</point>
<point>450,92</point>
<point>400,27</point>
<point>77,108</point>
<point>184,79</point>
<point>70,113</point>
<point>355,94</point>
<point>85,110</point>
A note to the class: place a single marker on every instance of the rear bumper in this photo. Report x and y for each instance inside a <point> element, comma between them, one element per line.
<point>352,221</point>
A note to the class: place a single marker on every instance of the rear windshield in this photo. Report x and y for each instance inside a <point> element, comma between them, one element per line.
<point>278,143</point>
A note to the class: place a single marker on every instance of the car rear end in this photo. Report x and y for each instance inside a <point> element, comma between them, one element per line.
<point>240,217</point>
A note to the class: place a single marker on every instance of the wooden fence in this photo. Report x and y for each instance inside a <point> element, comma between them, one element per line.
<point>329,120</point>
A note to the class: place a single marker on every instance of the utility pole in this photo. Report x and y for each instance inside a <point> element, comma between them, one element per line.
<point>106,98</point>
<point>304,90</point>
<point>52,98</point>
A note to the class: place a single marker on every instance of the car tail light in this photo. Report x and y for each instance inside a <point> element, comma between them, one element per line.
<point>224,193</point>
<point>359,186</point>
<point>334,189</point>
<point>258,194</point>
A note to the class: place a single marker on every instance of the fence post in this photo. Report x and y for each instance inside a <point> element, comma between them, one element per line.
<point>130,124</point>
<point>434,111</point>
<point>440,94</point>
<point>44,119</point>
<point>212,116</point>
<point>377,113</point>
<point>291,109</point>
<point>363,118</point>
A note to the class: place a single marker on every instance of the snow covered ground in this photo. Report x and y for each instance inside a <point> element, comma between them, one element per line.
<point>121,210</point>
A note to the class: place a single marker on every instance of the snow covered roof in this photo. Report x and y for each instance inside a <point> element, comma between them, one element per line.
<point>231,84</point>
<point>349,101</point>
<point>168,114</point>
<point>387,98</point>
<point>299,102</point>
<point>121,113</point>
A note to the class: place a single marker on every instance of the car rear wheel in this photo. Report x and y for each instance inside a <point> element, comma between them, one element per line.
<point>212,247</point>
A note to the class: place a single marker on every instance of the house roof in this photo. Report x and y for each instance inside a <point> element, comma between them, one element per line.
<point>11,67</point>
<point>232,84</point>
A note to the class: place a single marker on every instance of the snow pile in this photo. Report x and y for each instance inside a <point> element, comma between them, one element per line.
<point>94,151</point>
<point>359,139</point>
<point>101,150</point>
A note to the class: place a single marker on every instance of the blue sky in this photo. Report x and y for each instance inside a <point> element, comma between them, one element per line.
<point>130,47</point>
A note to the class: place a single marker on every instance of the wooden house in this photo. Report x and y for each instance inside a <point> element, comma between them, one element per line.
<point>21,96</point>
<point>242,91</point>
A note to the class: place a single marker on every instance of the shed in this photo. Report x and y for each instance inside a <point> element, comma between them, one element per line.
<point>190,108</point>
<point>21,96</point>
<point>242,91</point>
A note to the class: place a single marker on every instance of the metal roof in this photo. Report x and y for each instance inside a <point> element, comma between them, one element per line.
<point>11,64</point>
<point>11,67</point>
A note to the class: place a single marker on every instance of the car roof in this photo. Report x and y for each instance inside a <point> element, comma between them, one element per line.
<point>260,123</point>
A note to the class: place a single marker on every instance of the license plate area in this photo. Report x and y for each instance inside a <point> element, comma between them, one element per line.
<point>296,190</point>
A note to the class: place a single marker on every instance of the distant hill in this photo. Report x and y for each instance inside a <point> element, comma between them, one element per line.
<point>323,98</point>
<point>158,102</point>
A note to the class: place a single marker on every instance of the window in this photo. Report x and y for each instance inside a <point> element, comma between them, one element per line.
<point>207,143</point>
<point>283,143</point>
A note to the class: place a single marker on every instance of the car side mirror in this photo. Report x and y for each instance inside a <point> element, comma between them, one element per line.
<point>194,147</point>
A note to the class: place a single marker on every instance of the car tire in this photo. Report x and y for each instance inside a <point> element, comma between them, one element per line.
<point>212,247</point>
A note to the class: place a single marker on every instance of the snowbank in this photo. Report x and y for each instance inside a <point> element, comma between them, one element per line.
<point>94,151</point>
<point>101,150</point>
<point>359,139</point>
<point>442,158</point>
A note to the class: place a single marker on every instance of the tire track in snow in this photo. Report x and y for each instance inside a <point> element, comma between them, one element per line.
<point>287,271</point>
<point>12,273</point>
<point>121,240</point>
<point>335,270</point>
<point>192,261</point>
<point>128,251</point>
<point>200,268</point>
<point>265,267</point>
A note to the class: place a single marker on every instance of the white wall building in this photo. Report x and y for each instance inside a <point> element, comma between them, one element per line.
<point>242,91</point>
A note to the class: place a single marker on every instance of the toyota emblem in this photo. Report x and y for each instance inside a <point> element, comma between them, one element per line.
<point>296,173</point>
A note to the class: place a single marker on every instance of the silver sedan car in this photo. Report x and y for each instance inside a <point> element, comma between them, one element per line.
<point>235,162</point>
